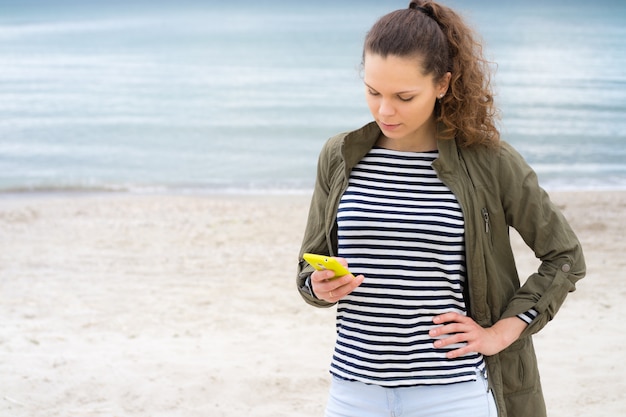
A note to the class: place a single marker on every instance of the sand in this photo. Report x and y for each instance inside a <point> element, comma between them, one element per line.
<point>131,305</point>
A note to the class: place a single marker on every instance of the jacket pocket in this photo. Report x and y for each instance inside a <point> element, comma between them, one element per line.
<point>519,368</point>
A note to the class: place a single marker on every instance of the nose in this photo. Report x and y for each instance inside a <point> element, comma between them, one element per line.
<point>386,108</point>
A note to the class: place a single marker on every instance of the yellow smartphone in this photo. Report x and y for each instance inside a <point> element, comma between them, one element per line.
<point>321,262</point>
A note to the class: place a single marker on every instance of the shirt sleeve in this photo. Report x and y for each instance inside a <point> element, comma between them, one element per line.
<point>528,316</point>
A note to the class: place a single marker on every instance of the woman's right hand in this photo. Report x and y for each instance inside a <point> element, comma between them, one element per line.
<point>328,288</point>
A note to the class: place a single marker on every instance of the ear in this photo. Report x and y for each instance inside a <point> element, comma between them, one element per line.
<point>444,84</point>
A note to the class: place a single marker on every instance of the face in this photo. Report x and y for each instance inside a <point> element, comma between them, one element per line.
<point>402,99</point>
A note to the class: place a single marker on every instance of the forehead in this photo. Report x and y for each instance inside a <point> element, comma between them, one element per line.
<point>394,73</point>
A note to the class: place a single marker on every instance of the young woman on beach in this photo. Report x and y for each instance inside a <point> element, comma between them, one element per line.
<point>432,321</point>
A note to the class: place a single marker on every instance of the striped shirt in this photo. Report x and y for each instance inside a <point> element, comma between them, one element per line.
<point>403,229</point>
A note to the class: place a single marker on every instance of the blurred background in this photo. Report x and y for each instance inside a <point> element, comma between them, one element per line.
<point>239,96</point>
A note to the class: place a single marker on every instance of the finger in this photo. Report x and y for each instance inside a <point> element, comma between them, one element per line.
<point>332,296</point>
<point>328,284</point>
<point>333,292</point>
<point>348,284</point>
<point>451,328</point>
<point>450,340</point>
<point>459,352</point>
<point>342,261</point>
<point>449,317</point>
<point>321,276</point>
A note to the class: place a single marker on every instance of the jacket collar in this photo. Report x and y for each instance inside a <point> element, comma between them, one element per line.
<point>449,160</point>
<point>358,143</point>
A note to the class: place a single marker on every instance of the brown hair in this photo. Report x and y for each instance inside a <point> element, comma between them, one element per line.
<point>444,43</point>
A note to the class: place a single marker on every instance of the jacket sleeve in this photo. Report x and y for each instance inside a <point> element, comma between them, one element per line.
<point>314,240</point>
<point>545,230</point>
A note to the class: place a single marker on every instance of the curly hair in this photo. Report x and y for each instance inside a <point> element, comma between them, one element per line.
<point>442,41</point>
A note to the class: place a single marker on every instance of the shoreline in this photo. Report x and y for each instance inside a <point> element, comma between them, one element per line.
<point>163,305</point>
<point>231,192</point>
<point>7,196</point>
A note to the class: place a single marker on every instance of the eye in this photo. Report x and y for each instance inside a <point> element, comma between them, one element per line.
<point>405,99</point>
<point>372,92</point>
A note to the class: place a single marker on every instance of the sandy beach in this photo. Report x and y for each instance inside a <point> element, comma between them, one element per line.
<point>146,306</point>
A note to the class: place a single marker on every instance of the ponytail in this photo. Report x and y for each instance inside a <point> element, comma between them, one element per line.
<point>444,43</point>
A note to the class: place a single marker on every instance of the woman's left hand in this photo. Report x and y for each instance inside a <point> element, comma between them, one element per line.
<point>463,329</point>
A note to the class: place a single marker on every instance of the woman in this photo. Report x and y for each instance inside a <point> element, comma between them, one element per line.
<point>432,320</point>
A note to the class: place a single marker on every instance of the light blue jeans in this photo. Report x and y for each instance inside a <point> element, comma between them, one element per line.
<point>356,399</point>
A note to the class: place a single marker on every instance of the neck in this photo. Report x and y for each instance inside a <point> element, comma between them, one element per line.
<point>423,140</point>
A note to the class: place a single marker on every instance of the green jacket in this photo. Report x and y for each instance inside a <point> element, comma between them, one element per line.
<point>496,189</point>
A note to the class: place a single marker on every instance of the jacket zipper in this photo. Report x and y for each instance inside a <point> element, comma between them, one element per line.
<point>486,219</point>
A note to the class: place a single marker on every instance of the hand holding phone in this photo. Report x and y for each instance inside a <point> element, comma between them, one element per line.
<point>334,289</point>
<point>322,262</point>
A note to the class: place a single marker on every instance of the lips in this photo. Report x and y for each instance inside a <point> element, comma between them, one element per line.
<point>387,126</point>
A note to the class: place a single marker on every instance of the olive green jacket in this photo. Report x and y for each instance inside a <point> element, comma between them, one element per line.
<point>496,189</point>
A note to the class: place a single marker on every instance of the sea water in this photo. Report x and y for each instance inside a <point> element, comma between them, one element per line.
<point>205,96</point>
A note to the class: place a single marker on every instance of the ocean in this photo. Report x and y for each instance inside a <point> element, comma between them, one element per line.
<point>239,96</point>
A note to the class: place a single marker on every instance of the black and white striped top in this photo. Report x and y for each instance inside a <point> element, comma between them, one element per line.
<point>403,229</point>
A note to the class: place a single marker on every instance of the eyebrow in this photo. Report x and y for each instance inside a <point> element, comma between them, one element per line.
<point>398,93</point>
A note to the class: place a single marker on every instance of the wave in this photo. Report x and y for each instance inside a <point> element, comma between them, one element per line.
<point>20,31</point>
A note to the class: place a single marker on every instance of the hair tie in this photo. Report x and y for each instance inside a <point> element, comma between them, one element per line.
<point>413,5</point>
